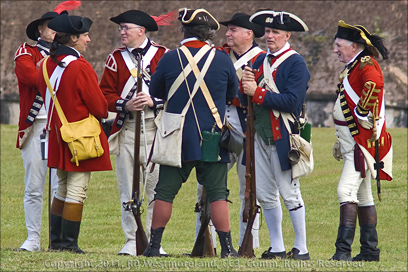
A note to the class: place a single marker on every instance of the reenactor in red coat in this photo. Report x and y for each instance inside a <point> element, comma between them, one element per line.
<point>79,95</point>
<point>31,124</point>
<point>359,117</point>
<point>117,85</point>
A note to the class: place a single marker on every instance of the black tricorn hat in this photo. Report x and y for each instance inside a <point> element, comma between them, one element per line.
<point>32,28</point>
<point>357,33</point>
<point>242,20</point>
<point>194,17</point>
<point>136,17</point>
<point>281,20</point>
<point>70,24</point>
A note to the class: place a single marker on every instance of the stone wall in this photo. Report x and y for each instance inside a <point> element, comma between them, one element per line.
<point>385,18</point>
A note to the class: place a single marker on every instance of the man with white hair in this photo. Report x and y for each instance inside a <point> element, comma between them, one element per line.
<point>362,140</point>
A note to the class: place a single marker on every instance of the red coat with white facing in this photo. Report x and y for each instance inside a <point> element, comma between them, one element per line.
<point>26,58</point>
<point>116,74</point>
<point>367,81</point>
<point>79,94</point>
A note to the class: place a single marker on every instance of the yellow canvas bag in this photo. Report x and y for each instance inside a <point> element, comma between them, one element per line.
<point>82,136</point>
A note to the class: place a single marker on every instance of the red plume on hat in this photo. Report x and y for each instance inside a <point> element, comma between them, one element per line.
<point>165,19</point>
<point>67,5</point>
<point>63,8</point>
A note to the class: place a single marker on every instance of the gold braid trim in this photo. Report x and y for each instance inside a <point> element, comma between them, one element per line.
<point>347,114</point>
<point>368,98</point>
<point>364,61</point>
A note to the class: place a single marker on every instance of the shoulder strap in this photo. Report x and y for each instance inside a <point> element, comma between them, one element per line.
<point>186,71</point>
<point>243,59</point>
<point>350,91</point>
<point>51,90</point>
<point>268,78</point>
<point>67,60</point>
<point>200,81</point>
<point>268,70</point>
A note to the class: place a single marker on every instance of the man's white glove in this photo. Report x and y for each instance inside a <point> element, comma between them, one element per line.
<point>336,151</point>
<point>366,122</point>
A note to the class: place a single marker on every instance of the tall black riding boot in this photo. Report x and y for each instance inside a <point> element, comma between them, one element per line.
<point>345,235</point>
<point>367,218</point>
<point>56,235</point>
<point>56,223</point>
<point>71,223</point>
<point>153,249</point>
<point>227,250</point>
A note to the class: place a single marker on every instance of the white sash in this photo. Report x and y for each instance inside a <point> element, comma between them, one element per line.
<point>268,70</point>
<point>356,99</point>
<point>244,59</point>
<point>55,79</point>
<point>147,58</point>
<point>268,78</point>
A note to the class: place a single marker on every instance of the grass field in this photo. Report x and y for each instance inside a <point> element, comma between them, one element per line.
<point>101,234</point>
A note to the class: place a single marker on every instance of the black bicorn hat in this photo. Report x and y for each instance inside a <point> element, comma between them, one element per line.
<point>136,17</point>
<point>280,20</point>
<point>194,17</point>
<point>242,20</point>
<point>70,24</point>
<point>32,28</point>
<point>356,33</point>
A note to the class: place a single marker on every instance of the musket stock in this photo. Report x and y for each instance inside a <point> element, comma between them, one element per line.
<point>203,246</point>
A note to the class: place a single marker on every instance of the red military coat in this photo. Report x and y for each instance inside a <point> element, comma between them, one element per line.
<point>26,58</point>
<point>366,79</point>
<point>79,94</point>
<point>116,74</point>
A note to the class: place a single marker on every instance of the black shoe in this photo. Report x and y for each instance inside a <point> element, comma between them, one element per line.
<point>367,258</point>
<point>273,255</point>
<point>341,256</point>
<point>294,254</point>
<point>153,249</point>
<point>227,250</point>
<point>76,250</point>
<point>123,254</point>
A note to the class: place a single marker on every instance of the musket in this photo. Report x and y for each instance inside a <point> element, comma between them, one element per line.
<point>378,165</point>
<point>135,203</point>
<point>203,246</point>
<point>49,208</point>
<point>251,208</point>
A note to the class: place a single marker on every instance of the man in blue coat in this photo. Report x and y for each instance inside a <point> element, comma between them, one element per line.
<point>198,27</point>
<point>278,89</point>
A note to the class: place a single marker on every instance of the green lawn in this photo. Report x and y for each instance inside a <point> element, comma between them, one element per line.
<point>101,234</point>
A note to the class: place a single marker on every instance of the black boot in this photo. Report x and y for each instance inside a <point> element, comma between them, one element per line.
<point>153,249</point>
<point>227,250</point>
<point>57,209</point>
<point>70,233</point>
<point>367,218</point>
<point>71,223</point>
<point>345,235</point>
<point>56,227</point>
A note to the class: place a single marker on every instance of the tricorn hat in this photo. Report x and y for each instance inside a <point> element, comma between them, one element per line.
<point>194,17</point>
<point>279,20</point>
<point>32,28</point>
<point>136,17</point>
<point>357,33</point>
<point>242,20</point>
<point>70,24</point>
